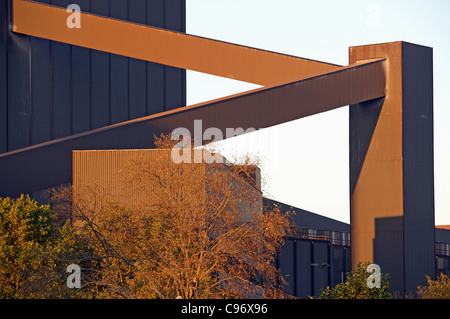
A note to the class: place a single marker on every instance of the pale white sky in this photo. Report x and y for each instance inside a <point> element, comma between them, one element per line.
<point>306,161</point>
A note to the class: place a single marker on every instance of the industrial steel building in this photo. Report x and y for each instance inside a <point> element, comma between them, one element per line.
<point>319,255</point>
<point>118,78</point>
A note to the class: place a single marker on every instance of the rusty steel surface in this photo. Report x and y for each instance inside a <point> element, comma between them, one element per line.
<point>163,46</point>
<point>48,164</point>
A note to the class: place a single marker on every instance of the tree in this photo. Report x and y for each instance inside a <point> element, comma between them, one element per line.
<point>190,230</point>
<point>436,289</point>
<point>355,287</point>
<point>34,251</point>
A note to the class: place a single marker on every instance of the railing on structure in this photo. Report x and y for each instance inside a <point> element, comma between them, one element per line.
<point>442,249</point>
<point>334,237</point>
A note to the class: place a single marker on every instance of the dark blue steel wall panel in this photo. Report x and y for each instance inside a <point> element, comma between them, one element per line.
<point>174,19</point>
<point>81,89</point>
<point>50,90</point>
<point>100,7</point>
<point>297,257</point>
<point>119,71</point>
<point>418,164</point>
<point>18,91</point>
<point>155,13</point>
<point>286,264</point>
<point>321,278</point>
<point>40,90</point>
<point>155,72</point>
<point>137,68</point>
<point>61,92</point>
<point>100,76</point>
<point>137,91</point>
<point>100,73</point>
<point>61,3</point>
<point>137,11</point>
<point>303,271</point>
<point>81,83</point>
<point>155,88</point>
<point>3,77</point>
<point>119,89</point>
<point>173,96</point>
<point>61,84</point>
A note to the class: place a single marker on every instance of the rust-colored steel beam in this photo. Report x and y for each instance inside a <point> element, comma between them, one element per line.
<point>163,46</point>
<point>49,164</point>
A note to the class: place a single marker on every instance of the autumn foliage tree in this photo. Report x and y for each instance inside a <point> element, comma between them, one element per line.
<point>436,289</point>
<point>189,230</point>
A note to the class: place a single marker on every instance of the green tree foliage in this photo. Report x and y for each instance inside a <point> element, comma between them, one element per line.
<point>436,289</point>
<point>355,287</point>
<point>34,253</point>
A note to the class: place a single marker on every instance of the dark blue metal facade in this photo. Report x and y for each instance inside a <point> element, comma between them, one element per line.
<point>318,241</point>
<point>321,241</point>
<point>49,90</point>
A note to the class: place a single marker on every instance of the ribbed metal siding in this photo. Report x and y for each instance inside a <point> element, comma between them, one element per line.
<point>100,171</point>
<point>104,173</point>
<point>50,90</point>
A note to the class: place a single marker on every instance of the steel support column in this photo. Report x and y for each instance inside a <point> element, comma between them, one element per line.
<point>391,167</point>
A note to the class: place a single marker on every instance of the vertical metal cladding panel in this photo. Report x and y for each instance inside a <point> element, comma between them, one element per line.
<point>61,84</point>
<point>81,83</point>
<point>174,20</point>
<point>81,90</point>
<point>100,88</point>
<point>287,264</point>
<point>61,89</point>
<point>138,68</point>
<point>303,268</point>
<point>155,71</point>
<point>19,83</point>
<point>40,90</point>
<point>418,164</point>
<point>119,71</point>
<point>100,76</point>
<point>3,76</point>
<point>53,90</point>
<point>321,277</point>
<point>119,89</point>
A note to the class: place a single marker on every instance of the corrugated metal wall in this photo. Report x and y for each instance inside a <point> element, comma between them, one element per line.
<point>109,175</point>
<point>297,256</point>
<point>100,172</point>
<point>50,90</point>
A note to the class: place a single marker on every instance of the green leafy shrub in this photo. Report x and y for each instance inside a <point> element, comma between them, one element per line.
<point>34,253</point>
<point>436,289</point>
<point>355,287</point>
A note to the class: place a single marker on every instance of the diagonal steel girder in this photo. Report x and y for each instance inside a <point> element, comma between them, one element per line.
<point>295,88</point>
<point>49,164</point>
<point>164,46</point>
